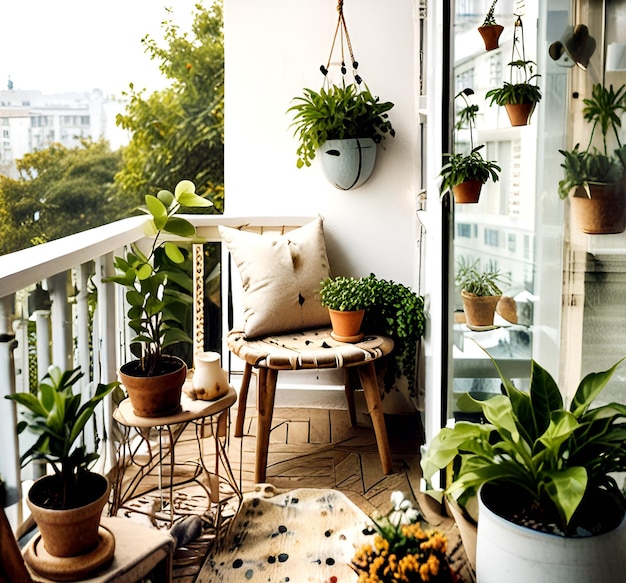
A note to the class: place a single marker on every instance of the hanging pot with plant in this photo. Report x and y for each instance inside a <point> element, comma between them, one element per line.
<point>594,178</point>
<point>520,95</point>
<point>342,122</point>
<point>490,30</point>
<point>465,174</point>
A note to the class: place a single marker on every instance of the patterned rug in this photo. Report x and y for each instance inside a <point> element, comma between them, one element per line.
<point>302,535</point>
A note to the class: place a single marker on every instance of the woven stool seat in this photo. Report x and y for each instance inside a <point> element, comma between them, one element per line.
<point>308,349</point>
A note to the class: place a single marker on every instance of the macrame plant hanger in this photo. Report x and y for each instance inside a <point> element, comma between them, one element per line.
<point>342,31</point>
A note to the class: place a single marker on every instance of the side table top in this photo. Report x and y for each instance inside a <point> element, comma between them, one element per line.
<point>191,409</point>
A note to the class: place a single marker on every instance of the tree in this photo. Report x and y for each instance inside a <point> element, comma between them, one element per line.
<point>60,191</point>
<point>178,132</point>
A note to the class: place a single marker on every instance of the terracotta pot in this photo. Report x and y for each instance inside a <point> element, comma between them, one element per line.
<point>479,310</point>
<point>467,192</point>
<point>604,212</point>
<point>491,34</point>
<point>72,532</point>
<point>346,325</point>
<point>519,113</point>
<point>155,396</point>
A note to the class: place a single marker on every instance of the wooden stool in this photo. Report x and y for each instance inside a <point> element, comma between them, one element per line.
<point>310,349</point>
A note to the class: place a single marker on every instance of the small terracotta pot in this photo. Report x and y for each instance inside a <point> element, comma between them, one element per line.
<point>519,113</point>
<point>479,310</point>
<point>491,34</point>
<point>467,192</point>
<point>346,324</point>
<point>155,396</point>
<point>602,213</point>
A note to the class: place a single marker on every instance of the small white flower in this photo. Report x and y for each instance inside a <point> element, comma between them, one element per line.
<point>397,498</point>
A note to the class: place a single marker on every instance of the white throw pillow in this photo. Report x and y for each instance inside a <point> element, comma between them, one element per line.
<point>281,276</point>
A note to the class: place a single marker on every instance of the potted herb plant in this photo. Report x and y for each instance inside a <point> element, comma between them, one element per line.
<point>594,177</point>
<point>480,291</point>
<point>346,298</point>
<point>344,123</point>
<point>520,94</point>
<point>465,174</point>
<point>154,379</point>
<point>490,30</point>
<point>66,505</point>
<point>545,476</point>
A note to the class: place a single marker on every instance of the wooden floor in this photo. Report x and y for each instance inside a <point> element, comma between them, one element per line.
<point>317,448</point>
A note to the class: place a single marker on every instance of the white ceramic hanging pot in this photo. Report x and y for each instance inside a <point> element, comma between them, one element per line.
<point>506,551</point>
<point>348,163</point>
<point>209,380</point>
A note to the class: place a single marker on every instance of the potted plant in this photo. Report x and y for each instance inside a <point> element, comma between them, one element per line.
<point>154,379</point>
<point>346,298</point>
<point>594,177</point>
<point>398,312</point>
<point>490,30</point>
<point>480,291</point>
<point>465,174</point>
<point>520,94</point>
<point>66,505</point>
<point>345,123</point>
<point>544,474</point>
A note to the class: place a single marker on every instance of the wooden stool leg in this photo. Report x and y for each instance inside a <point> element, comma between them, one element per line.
<point>348,375</point>
<point>266,391</point>
<point>243,400</point>
<point>374,405</point>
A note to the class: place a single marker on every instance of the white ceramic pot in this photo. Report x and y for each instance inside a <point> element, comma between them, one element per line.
<point>508,552</point>
<point>348,163</point>
<point>209,380</point>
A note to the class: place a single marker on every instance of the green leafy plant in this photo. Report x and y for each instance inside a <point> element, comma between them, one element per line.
<point>153,304</point>
<point>490,18</point>
<point>603,111</point>
<point>486,282</point>
<point>338,112</point>
<point>557,460</point>
<point>517,93</point>
<point>58,417</point>
<point>346,293</point>
<point>464,167</point>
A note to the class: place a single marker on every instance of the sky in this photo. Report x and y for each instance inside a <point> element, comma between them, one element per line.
<point>80,45</point>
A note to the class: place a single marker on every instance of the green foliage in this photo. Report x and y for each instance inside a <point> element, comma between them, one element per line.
<point>603,111</point>
<point>179,131</point>
<point>154,314</point>
<point>517,93</point>
<point>484,282</point>
<point>338,112</point>
<point>60,191</point>
<point>490,18</point>
<point>346,293</point>
<point>57,417</point>
<point>559,457</point>
<point>461,168</point>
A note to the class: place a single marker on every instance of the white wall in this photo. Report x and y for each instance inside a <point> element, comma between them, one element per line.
<point>273,49</point>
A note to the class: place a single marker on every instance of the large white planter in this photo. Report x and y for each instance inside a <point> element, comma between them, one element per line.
<point>507,552</point>
<point>348,163</point>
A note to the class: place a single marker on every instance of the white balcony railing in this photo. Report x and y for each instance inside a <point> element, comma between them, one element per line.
<point>63,333</point>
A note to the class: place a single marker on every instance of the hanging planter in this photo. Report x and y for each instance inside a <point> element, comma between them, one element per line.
<point>520,91</point>
<point>490,30</point>
<point>341,112</point>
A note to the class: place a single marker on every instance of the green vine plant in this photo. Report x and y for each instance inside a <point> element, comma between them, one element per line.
<point>490,19</point>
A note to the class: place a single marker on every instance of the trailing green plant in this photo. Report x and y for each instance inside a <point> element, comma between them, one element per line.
<point>346,293</point>
<point>559,459</point>
<point>338,112</point>
<point>486,282</point>
<point>522,85</point>
<point>461,168</point>
<point>154,304</point>
<point>490,18</point>
<point>603,111</point>
<point>57,416</point>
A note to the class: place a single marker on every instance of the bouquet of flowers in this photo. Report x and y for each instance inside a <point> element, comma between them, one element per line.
<point>402,551</point>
